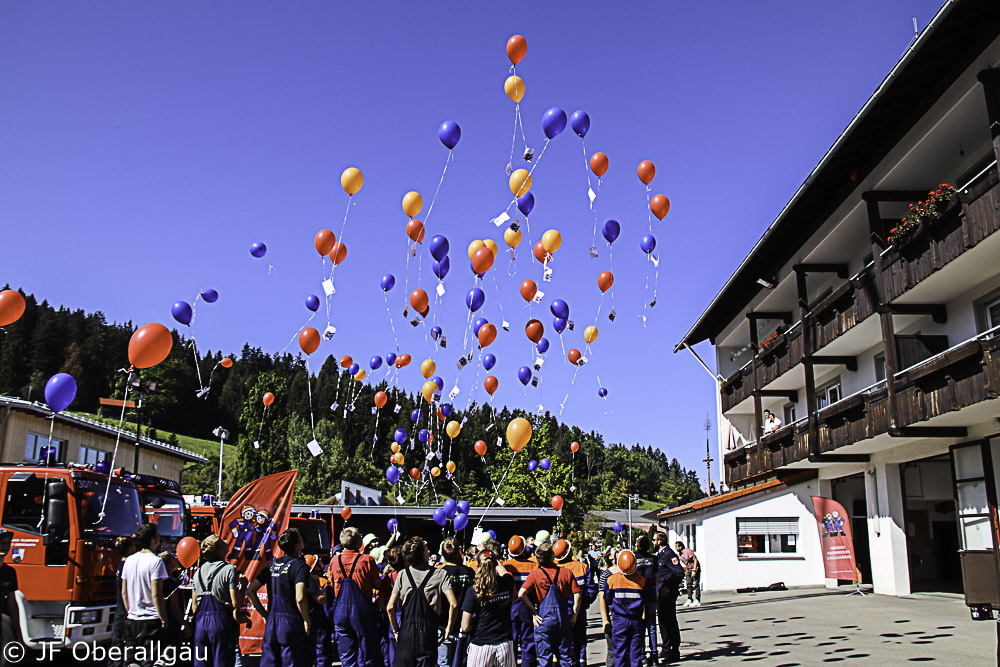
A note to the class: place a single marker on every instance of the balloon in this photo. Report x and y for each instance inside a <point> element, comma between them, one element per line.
<point>439,381</point>
<point>491,384</point>
<point>449,133</point>
<point>441,268</point>
<point>258,250</point>
<point>557,502</point>
<point>435,472</point>
<point>424,435</point>
<point>439,516</point>
<point>479,324</point>
<point>209,295</point>
<point>450,466</point>
<point>11,307</point>
<point>388,282</point>
<point>551,240</point>
<point>590,334</point>
<point>375,362</point>
<point>618,526</point>
<point>345,513</point>
<point>461,521</point>
<point>380,399</point>
<point>647,243</point>
<point>599,164</point>
<point>324,241</point>
<point>390,358</point>
<point>480,448</point>
<point>398,458</point>
<point>267,398</point>
<point>182,312</point>
<point>646,171</point>
<point>520,182</point>
<point>312,302</point>
<point>417,415</point>
<point>545,464</point>
<point>352,180</point>
<point>660,206</point>
<point>346,361</point>
<point>574,356</point>
<point>493,535</point>
<point>188,550</point>
<point>415,230</point>
<point>553,122</point>
<point>532,465</point>
<point>605,280</point>
<point>446,409</point>
<point>512,237</point>
<point>391,525</point>
<point>226,362</point>
<point>427,391</point>
<point>453,429</point>
<point>360,375</point>
<point>559,324</point>
<point>395,450</point>
<point>427,368</point>
<point>474,246</point>
<point>435,332</point>
<point>412,203</point>
<point>475,298</point>
<point>524,375</point>
<point>560,309</point>
<point>489,361</point>
<point>602,392</point>
<point>339,253</point>
<point>450,507</point>
<point>542,346</point>
<point>525,203</point>
<point>514,87</point>
<point>150,344</point>
<point>402,361</point>
<point>463,506</point>
<point>518,433</point>
<point>353,369</point>
<point>540,253</point>
<point>528,290</point>
<point>534,330</point>
<point>60,390</point>
<point>439,248</point>
<point>415,473</point>
<point>486,335</point>
<point>400,435</point>
<point>574,447</point>
<point>580,122</point>
<point>392,474</point>
<point>418,299</point>
<point>517,48</point>
<point>611,230</point>
<point>492,245</point>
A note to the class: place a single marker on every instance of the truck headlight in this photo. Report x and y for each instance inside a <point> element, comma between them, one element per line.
<point>85,617</point>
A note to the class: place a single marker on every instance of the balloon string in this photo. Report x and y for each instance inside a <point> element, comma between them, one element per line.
<point>513,138</point>
<point>340,237</point>
<point>296,334</point>
<point>496,491</point>
<point>261,429</point>
<point>483,516</point>
<point>327,297</point>
<point>562,406</point>
<point>434,199</point>
<point>118,437</point>
<point>392,325</point>
<point>600,385</point>
<point>586,171</point>
<point>649,219</point>
<point>475,379</point>
<point>197,366</point>
<point>312,420</point>
<point>496,287</point>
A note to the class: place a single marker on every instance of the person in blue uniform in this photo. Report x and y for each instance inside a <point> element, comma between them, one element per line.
<point>624,598</point>
<point>288,625</point>
<point>669,575</point>
<point>645,564</point>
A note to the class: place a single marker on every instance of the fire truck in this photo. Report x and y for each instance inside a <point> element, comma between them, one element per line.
<point>163,505</point>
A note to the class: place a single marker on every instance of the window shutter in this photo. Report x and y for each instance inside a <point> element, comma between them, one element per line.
<point>767,526</point>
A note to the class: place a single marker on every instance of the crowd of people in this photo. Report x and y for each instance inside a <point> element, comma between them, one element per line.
<point>521,603</point>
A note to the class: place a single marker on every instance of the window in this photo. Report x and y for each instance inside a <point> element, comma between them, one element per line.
<point>828,394</point>
<point>880,367</point>
<point>991,313</point>
<point>36,443</point>
<point>22,508</point>
<point>973,504</point>
<point>91,456</point>
<point>789,413</point>
<point>766,536</point>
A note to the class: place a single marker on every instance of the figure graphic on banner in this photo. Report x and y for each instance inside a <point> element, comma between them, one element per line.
<point>268,530</point>
<point>828,525</point>
<point>246,533</point>
<point>838,524</point>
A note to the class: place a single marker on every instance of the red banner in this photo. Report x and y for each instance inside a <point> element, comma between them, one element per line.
<point>835,539</point>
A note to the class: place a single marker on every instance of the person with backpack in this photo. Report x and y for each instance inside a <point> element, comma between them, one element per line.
<point>520,565</point>
<point>487,627</point>
<point>216,605</point>
<point>625,598</point>
<point>355,579</point>
<point>563,552</point>
<point>461,579</point>
<point>288,624</point>
<point>423,592</point>
<point>547,593</point>
<point>645,564</point>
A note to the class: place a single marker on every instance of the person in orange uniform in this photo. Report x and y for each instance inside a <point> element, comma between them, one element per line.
<point>624,598</point>
<point>563,551</point>
<point>520,565</point>
<point>555,593</point>
<point>355,579</point>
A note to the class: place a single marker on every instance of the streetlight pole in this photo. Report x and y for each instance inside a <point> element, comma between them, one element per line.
<point>223,434</point>
<point>630,499</point>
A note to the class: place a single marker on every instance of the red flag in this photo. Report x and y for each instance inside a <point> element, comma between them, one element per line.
<point>253,519</point>
<point>835,539</point>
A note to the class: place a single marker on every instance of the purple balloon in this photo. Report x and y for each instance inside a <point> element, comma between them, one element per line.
<point>611,230</point>
<point>439,248</point>
<point>312,302</point>
<point>463,506</point>
<point>182,312</point>
<point>391,524</point>
<point>209,296</point>
<point>553,122</point>
<point>532,465</point>
<point>440,518</point>
<point>424,435</point>
<point>618,526</point>
<point>436,332</point>
<point>392,474</point>
<point>354,368</point>
<point>545,464</point>
<point>560,309</point>
<point>602,392</point>
<point>416,415</point>
<point>446,409</point>
<point>525,203</point>
<point>258,250</point>
<point>524,375</point>
<point>375,362</point>
<point>390,358</point>
<point>647,243</point>
<point>388,282</point>
<point>559,324</point>
<point>399,436</point>
<point>450,507</point>
<point>493,535</point>
<point>461,520</point>
<point>439,381</point>
<point>449,133</point>
<point>60,390</point>
<point>489,361</point>
<point>478,324</point>
<point>475,299</point>
<point>580,122</point>
<point>542,346</point>
<point>441,268</point>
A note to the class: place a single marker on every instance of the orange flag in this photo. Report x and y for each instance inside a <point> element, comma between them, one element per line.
<point>253,519</point>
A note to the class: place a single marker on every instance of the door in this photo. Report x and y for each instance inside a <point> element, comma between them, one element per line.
<point>975,504</point>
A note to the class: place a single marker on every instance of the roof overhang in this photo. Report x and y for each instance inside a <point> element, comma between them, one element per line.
<point>783,480</point>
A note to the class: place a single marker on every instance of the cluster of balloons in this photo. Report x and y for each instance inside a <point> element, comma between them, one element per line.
<point>457,511</point>
<point>182,310</point>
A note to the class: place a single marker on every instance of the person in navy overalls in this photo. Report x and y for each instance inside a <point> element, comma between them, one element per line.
<point>287,630</point>
<point>550,588</point>
<point>217,605</point>
<point>355,579</point>
<point>624,598</point>
<point>669,575</point>
<point>520,565</point>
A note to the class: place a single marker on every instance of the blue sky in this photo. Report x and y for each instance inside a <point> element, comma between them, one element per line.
<point>145,146</point>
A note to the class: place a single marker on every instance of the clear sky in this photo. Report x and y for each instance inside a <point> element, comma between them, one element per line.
<point>145,145</point>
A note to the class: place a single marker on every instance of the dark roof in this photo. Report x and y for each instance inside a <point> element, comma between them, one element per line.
<point>955,37</point>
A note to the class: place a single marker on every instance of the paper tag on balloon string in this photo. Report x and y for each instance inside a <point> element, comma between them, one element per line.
<point>345,413</point>
<point>505,326</point>
<point>455,391</point>
<point>593,252</point>
<point>489,427</point>
<point>501,219</point>
<point>510,169</point>
<point>547,276</point>
<point>538,296</point>
<point>415,322</point>
<point>444,341</point>
<point>333,408</point>
<point>541,409</point>
<point>583,361</point>
<point>652,303</point>
<point>413,250</point>
<point>429,457</point>
<point>462,361</point>
<point>572,488</point>
<point>400,499</point>
<point>592,195</point>
<point>201,392</point>
<point>529,154</point>
<point>314,447</point>
<point>396,409</point>
<point>329,332</point>
<point>534,380</point>
<point>374,410</point>
<point>655,260</point>
<point>406,312</point>
<point>611,315</point>
<point>499,440</point>
<point>468,357</point>
<point>570,324</point>
<point>351,407</point>
<point>440,289</point>
<point>500,501</point>
<point>256,445</point>
<point>328,287</point>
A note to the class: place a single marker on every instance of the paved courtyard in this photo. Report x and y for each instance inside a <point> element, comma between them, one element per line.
<point>819,627</point>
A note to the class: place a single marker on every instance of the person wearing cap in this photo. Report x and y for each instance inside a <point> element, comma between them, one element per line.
<point>520,565</point>
<point>563,552</point>
<point>355,579</point>
<point>624,598</point>
<point>547,593</point>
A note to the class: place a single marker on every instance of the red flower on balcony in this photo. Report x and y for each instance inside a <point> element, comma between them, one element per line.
<point>770,341</point>
<point>921,212</point>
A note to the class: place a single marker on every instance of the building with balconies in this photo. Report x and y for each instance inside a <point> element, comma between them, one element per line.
<point>873,340</point>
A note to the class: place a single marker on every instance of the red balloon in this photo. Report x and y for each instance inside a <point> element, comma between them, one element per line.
<point>534,331</point>
<point>380,399</point>
<point>480,448</point>
<point>482,260</point>
<point>529,289</point>
<point>415,230</point>
<point>574,447</point>
<point>646,171</point>
<point>267,399</point>
<point>324,241</point>
<point>557,502</point>
<point>660,206</point>
<point>418,299</point>
<point>345,513</point>
<point>491,384</point>
<point>415,473</point>
<point>605,280</point>
<point>402,360</point>
<point>309,340</point>
<point>517,48</point>
<point>188,551</point>
<point>11,307</point>
<point>540,253</point>
<point>346,361</point>
<point>338,252</point>
<point>599,164</point>
<point>574,356</point>
<point>149,345</point>
<point>487,334</point>
<point>226,362</point>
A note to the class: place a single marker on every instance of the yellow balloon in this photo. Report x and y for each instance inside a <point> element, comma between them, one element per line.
<point>450,466</point>
<point>427,391</point>
<point>395,448</point>
<point>412,203</point>
<point>352,180</point>
<point>453,429</point>
<point>514,87</point>
<point>360,375</point>
<point>474,246</point>
<point>551,240</point>
<point>590,334</point>
<point>427,368</point>
<point>492,245</point>
<point>435,471</point>
<point>520,182</point>
<point>512,237</point>
<point>518,433</point>
<point>400,459</point>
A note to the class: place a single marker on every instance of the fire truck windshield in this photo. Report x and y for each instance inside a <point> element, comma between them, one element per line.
<point>166,511</point>
<point>122,514</point>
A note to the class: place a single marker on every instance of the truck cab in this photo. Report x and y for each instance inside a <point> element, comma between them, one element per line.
<point>163,506</point>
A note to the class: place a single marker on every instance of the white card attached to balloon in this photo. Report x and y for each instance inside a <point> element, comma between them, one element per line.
<point>314,447</point>
<point>440,289</point>
<point>256,445</point>
<point>501,219</point>
<point>328,287</point>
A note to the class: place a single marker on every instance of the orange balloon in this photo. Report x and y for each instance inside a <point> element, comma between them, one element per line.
<point>440,415</point>
<point>345,513</point>
<point>380,399</point>
<point>528,290</point>
<point>402,360</point>
<point>450,466</point>
<point>324,241</point>
<point>346,361</point>
<point>415,230</point>
<point>574,356</point>
<point>487,334</point>
<point>149,345</point>
<point>599,164</point>
<point>540,254</point>
<point>557,502</point>
<point>188,551</point>
<point>418,299</point>
<point>309,340</point>
<point>605,280</point>
<point>660,206</point>
<point>482,260</point>
<point>491,384</point>
<point>397,458</point>
<point>480,448</point>
<point>267,399</point>
<point>338,253</point>
<point>11,307</point>
<point>226,362</point>
<point>574,447</point>
<point>517,48</point>
<point>534,331</point>
<point>415,473</point>
<point>646,171</point>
